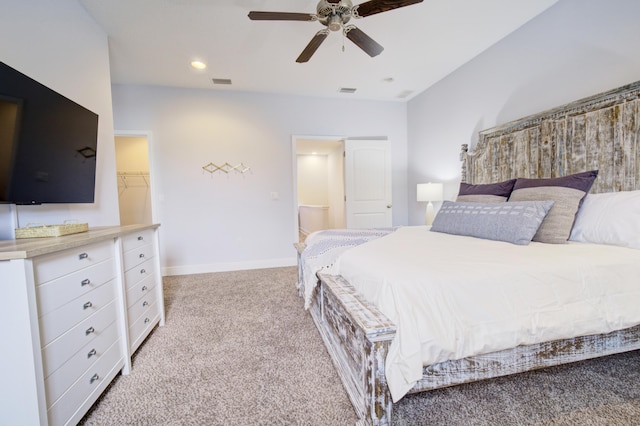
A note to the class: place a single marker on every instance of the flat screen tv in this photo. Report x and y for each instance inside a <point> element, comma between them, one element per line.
<point>48,144</point>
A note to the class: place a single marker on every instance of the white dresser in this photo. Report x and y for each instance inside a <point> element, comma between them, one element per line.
<point>140,278</point>
<point>73,310</point>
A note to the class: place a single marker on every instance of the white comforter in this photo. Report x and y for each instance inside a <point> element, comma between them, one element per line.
<point>452,296</point>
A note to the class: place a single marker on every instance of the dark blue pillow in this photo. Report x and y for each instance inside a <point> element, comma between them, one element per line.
<point>486,193</point>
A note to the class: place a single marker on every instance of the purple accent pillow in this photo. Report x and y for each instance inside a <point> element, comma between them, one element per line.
<point>486,193</point>
<point>567,193</point>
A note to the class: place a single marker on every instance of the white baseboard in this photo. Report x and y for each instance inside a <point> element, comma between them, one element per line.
<point>231,266</point>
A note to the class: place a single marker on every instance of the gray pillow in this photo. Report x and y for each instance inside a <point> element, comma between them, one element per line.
<point>513,222</point>
<point>486,192</point>
<point>567,192</point>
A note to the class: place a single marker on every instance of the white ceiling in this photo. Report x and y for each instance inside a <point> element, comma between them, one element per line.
<point>153,41</point>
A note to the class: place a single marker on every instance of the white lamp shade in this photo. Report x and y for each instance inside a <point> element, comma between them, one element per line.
<point>429,192</point>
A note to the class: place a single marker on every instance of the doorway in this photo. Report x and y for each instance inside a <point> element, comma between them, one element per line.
<point>134,179</point>
<point>319,178</point>
<point>349,188</point>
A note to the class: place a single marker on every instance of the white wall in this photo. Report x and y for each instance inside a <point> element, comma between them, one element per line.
<point>223,222</point>
<point>59,45</point>
<point>335,169</point>
<point>313,178</point>
<point>575,49</point>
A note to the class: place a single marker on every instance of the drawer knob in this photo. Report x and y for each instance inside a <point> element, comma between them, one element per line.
<point>86,281</point>
<point>143,271</point>
<point>91,353</point>
<point>141,255</point>
<point>144,288</point>
<point>140,238</point>
<point>145,303</point>
<point>146,320</point>
<point>87,305</point>
<point>94,378</point>
<point>83,256</point>
<point>89,331</point>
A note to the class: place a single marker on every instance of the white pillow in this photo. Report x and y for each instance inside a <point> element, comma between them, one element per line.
<point>609,218</point>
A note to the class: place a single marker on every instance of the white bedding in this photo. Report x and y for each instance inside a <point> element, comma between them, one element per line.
<point>452,296</point>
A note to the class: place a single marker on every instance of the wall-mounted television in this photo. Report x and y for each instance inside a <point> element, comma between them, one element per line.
<point>48,144</point>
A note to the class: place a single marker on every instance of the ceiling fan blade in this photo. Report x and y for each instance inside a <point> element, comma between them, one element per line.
<point>313,45</point>
<point>363,41</point>
<point>372,7</point>
<point>281,16</point>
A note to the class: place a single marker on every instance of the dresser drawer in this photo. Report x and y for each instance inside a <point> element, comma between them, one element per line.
<point>56,293</point>
<point>141,306</point>
<point>139,328</point>
<point>61,349</point>
<point>61,379</point>
<point>55,265</point>
<point>141,289</point>
<point>138,273</point>
<point>62,319</point>
<point>137,256</point>
<point>67,405</point>
<point>137,239</point>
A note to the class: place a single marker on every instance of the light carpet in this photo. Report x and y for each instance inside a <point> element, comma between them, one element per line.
<point>239,349</point>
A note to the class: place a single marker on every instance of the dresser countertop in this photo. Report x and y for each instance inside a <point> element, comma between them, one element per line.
<point>31,247</point>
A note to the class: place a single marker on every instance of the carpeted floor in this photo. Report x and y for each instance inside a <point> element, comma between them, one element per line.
<point>238,349</point>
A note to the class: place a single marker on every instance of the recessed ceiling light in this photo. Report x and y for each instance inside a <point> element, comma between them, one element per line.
<point>199,65</point>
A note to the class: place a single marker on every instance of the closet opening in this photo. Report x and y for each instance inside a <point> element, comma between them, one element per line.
<point>134,179</point>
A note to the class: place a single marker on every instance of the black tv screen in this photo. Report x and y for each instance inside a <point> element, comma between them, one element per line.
<point>48,144</point>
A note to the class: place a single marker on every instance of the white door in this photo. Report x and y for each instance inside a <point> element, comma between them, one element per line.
<point>368,183</point>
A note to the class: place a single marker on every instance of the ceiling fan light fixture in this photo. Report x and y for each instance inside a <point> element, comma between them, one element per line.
<point>335,15</point>
<point>335,23</point>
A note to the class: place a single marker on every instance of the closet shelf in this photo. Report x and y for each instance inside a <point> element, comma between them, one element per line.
<point>133,179</point>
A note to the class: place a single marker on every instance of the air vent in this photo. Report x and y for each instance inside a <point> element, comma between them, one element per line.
<point>347,90</point>
<point>221,80</point>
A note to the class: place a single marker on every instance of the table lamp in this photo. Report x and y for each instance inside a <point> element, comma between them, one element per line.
<point>429,192</point>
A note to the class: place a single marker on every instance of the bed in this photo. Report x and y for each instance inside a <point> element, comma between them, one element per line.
<point>589,152</point>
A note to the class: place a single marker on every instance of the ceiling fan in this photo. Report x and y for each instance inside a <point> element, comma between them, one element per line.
<point>335,15</point>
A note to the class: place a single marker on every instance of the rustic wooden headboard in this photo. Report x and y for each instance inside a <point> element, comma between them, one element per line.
<point>600,132</point>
